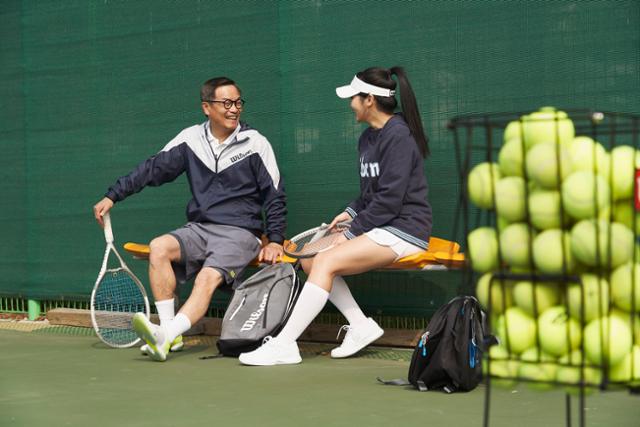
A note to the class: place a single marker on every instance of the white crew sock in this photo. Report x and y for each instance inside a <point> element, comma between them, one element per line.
<point>341,297</point>
<point>166,310</point>
<point>178,326</point>
<point>310,303</point>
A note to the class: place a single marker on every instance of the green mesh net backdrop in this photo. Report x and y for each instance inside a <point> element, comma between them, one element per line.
<point>90,88</point>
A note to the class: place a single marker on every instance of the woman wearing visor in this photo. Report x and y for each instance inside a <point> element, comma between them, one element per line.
<point>390,219</point>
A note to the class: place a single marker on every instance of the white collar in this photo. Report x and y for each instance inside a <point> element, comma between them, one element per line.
<point>215,141</point>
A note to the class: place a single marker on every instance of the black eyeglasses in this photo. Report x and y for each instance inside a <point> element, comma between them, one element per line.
<point>227,103</point>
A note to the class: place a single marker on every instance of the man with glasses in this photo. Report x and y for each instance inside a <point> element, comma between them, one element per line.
<point>234,179</point>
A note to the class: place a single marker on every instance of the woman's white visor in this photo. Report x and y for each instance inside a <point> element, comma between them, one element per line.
<point>358,86</point>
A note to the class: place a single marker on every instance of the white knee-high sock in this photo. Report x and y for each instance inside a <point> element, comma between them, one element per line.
<point>310,303</point>
<point>178,326</point>
<point>166,310</point>
<point>341,297</point>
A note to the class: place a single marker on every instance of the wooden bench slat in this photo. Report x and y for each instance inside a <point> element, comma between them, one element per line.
<point>441,252</point>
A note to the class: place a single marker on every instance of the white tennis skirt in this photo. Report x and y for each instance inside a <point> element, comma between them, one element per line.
<point>402,248</point>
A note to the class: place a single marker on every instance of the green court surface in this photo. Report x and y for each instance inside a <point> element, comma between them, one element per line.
<point>66,377</point>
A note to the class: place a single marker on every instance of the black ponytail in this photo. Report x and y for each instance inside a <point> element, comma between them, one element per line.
<point>381,77</point>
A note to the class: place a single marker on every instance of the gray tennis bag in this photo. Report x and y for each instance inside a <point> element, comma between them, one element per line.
<point>260,306</point>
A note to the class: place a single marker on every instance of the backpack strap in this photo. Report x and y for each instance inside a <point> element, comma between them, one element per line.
<point>397,381</point>
<point>421,385</point>
<point>213,356</point>
<point>449,388</point>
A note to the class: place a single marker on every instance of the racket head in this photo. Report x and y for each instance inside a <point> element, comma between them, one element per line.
<point>117,296</point>
<point>310,242</point>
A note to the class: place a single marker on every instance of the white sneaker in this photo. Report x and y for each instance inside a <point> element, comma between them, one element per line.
<point>153,335</point>
<point>272,352</point>
<point>357,337</point>
<point>176,345</point>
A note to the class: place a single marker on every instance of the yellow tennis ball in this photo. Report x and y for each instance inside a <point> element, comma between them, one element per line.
<point>588,155</point>
<point>547,126</point>
<point>590,298</point>
<point>481,183</point>
<point>511,158</point>
<point>535,298</point>
<point>598,243</point>
<point>607,339</point>
<point>585,195</point>
<point>510,196</point>
<point>548,164</point>
<point>500,297</point>
<point>483,249</point>
<point>627,370</point>
<point>516,330</point>
<point>624,212</point>
<point>559,333</point>
<point>501,367</point>
<point>552,251</point>
<point>544,210</point>
<point>625,286</point>
<point>631,319</point>
<point>513,130</point>
<point>538,368</point>
<point>501,223</point>
<point>569,373</point>
<point>515,242</point>
<point>623,160</point>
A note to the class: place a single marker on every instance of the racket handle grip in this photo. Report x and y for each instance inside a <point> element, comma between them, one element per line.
<point>108,233</point>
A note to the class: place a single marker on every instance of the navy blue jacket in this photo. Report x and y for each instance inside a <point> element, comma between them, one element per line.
<point>393,187</point>
<point>229,189</point>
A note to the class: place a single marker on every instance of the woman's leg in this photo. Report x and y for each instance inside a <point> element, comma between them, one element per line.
<point>340,296</point>
<point>354,256</point>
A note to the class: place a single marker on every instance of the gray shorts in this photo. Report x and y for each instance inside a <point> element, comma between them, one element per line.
<point>225,248</point>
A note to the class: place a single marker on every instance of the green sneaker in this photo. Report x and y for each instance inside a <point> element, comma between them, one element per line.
<point>153,335</point>
<point>176,345</point>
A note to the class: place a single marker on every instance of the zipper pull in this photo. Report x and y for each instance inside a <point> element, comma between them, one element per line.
<point>423,343</point>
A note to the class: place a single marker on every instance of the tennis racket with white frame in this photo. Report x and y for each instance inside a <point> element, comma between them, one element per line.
<point>315,240</point>
<point>117,295</point>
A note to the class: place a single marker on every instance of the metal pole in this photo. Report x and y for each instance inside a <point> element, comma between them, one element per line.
<point>33,309</point>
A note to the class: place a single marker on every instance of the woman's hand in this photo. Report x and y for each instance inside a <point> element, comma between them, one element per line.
<point>343,217</point>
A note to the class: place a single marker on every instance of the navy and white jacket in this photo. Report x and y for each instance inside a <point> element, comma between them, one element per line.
<point>231,188</point>
<point>393,187</point>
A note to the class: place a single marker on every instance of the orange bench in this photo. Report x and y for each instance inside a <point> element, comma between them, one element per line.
<point>441,255</point>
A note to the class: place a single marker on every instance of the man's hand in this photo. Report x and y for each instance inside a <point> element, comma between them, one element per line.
<point>101,208</point>
<point>343,217</point>
<point>270,253</point>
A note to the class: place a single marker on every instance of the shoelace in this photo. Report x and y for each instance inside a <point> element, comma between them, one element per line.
<point>343,328</point>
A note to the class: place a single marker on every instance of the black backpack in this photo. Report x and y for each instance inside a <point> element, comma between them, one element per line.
<point>260,306</point>
<point>448,355</point>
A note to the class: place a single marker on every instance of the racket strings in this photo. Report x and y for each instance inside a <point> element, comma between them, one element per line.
<point>311,244</point>
<point>116,300</point>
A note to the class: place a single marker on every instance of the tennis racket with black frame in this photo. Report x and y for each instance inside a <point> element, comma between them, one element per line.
<point>313,241</point>
<point>117,295</point>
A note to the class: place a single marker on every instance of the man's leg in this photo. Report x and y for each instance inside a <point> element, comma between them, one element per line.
<point>159,338</point>
<point>163,251</point>
<point>196,306</point>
